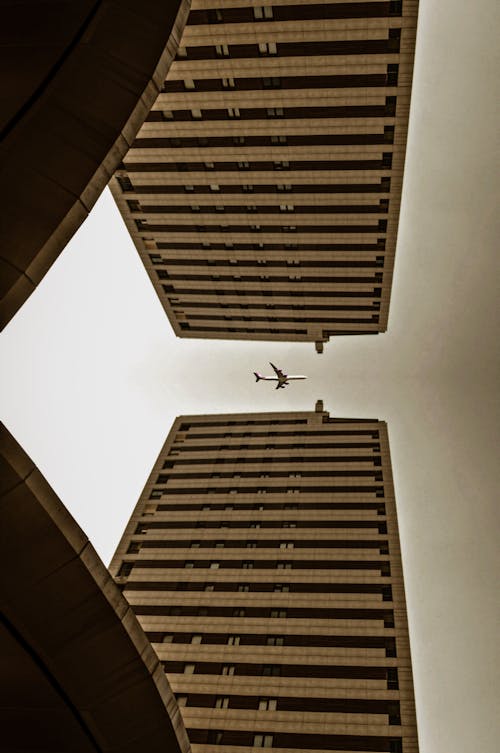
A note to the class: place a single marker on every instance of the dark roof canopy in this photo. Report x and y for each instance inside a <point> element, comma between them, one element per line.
<point>78,80</point>
<point>79,675</point>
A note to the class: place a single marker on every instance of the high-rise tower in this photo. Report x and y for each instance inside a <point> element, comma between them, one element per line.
<point>263,190</point>
<point>263,562</point>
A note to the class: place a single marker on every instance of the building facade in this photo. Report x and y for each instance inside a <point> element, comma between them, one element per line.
<point>263,563</point>
<point>263,190</point>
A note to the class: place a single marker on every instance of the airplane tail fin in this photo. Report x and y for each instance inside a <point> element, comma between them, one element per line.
<point>257,376</point>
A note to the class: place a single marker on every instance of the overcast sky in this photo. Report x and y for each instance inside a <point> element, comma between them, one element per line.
<point>93,377</point>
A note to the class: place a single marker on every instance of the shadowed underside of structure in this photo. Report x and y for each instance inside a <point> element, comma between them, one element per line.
<point>79,79</point>
<point>79,674</point>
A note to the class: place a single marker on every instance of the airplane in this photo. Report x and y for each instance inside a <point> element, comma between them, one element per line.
<point>281,378</point>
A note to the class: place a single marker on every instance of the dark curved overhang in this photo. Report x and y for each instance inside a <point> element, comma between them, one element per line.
<point>79,675</point>
<point>79,80</point>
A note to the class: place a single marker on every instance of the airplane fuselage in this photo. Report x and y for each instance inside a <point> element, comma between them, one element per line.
<point>281,378</point>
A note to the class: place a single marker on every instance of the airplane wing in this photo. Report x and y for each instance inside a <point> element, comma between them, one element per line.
<point>278,372</point>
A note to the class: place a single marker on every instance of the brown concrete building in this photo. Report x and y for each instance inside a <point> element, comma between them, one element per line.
<point>263,562</point>
<point>263,190</point>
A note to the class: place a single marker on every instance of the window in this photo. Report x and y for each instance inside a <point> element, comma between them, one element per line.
<point>196,114</point>
<point>286,545</point>
<point>167,638</point>
<point>267,48</point>
<point>222,50</point>
<point>233,640</point>
<point>251,544</point>
<point>281,164</point>
<point>222,702</point>
<point>274,112</point>
<point>227,669</point>
<point>219,545</point>
<point>209,587</point>
<point>243,165</point>
<point>228,83</point>
<point>238,612</point>
<point>215,16</point>
<point>263,12</point>
<point>167,115</point>
<point>214,565</point>
<point>196,639</point>
<point>244,587</point>
<point>214,187</point>
<point>182,700</point>
<point>271,670</point>
<point>394,713</point>
<point>213,736</point>
<point>387,593</point>
<point>283,187</point>
<point>275,640</point>
<point>287,207</point>
<point>233,112</point>
<point>267,704</point>
<point>209,165</point>
<point>125,184</point>
<point>284,565</point>
<point>189,564</point>
<point>271,82</point>
<point>195,545</point>
<point>263,741</point>
<point>189,188</point>
<point>278,139</point>
<point>247,565</point>
<point>182,52</point>
<point>392,679</point>
<point>278,612</point>
<point>188,83</point>
<point>396,746</point>
<point>189,669</point>
<point>281,588</point>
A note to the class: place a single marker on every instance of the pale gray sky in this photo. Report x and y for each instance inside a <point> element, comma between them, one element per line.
<point>93,377</point>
